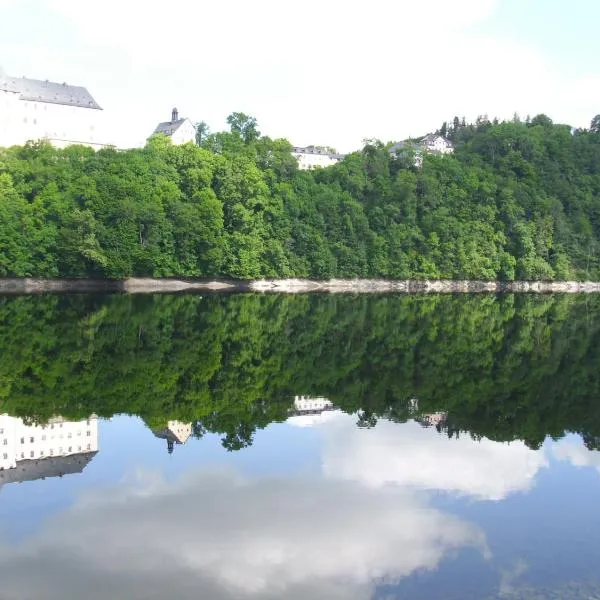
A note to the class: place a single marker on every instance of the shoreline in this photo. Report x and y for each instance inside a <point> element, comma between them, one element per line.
<point>149,285</point>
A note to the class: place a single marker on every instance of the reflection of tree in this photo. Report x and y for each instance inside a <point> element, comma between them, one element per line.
<point>503,367</point>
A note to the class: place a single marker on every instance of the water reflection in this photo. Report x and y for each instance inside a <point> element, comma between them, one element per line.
<point>312,447</point>
<point>364,519</point>
<point>32,451</point>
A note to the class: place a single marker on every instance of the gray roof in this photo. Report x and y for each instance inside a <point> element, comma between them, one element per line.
<point>321,151</point>
<point>57,466</point>
<point>169,127</point>
<point>36,90</point>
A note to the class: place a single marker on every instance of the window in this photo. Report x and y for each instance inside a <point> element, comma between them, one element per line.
<point>1,430</point>
<point>88,433</point>
<point>70,449</point>
<point>22,454</point>
<point>70,435</point>
<point>5,456</point>
<point>31,439</point>
<point>31,454</point>
<point>52,426</point>
<point>41,453</point>
<point>51,451</point>
<point>5,442</point>
<point>22,440</point>
<point>89,447</point>
<point>43,438</point>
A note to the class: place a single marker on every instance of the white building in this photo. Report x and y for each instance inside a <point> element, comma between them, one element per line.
<point>175,432</point>
<point>31,451</point>
<point>181,131</point>
<point>431,144</point>
<point>33,110</point>
<point>313,157</point>
<point>437,144</point>
<point>308,411</point>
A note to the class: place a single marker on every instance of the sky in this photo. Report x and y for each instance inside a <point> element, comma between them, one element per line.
<point>324,72</point>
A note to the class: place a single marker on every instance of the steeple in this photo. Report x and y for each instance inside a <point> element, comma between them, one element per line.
<point>174,115</point>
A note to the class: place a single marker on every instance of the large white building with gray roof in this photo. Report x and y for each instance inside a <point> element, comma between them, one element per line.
<point>62,114</point>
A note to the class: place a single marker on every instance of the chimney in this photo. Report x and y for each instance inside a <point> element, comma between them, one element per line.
<point>174,115</point>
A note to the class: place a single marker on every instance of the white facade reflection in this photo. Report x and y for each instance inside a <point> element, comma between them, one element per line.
<point>56,448</point>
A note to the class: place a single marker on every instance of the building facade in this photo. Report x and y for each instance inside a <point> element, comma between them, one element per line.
<point>437,144</point>
<point>313,157</point>
<point>175,432</point>
<point>181,131</point>
<point>62,114</point>
<point>56,448</point>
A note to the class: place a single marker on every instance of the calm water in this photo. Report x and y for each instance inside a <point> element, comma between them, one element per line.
<point>262,447</point>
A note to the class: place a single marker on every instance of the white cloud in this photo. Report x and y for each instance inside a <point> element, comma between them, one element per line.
<point>418,458</point>
<point>219,536</point>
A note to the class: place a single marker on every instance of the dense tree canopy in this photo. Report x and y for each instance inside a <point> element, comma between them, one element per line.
<point>516,200</point>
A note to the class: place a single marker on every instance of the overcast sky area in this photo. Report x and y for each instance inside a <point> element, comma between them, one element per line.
<point>326,72</point>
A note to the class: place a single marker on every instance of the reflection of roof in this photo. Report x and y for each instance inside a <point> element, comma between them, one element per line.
<point>29,470</point>
<point>47,91</point>
<point>178,433</point>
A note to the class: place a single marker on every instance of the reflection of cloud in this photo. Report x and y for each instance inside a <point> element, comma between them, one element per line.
<point>509,576</point>
<point>412,456</point>
<point>576,453</point>
<point>216,535</point>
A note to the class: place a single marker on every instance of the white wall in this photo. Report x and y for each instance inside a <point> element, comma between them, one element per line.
<point>309,160</point>
<point>19,441</point>
<point>306,403</point>
<point>184,134</point>
<point>24,120</point>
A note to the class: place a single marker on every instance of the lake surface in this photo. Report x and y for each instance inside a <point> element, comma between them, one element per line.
<point>262,447</point>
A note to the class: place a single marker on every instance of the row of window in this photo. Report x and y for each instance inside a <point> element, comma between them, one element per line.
<point>50,453</point>
<point>61,436</point>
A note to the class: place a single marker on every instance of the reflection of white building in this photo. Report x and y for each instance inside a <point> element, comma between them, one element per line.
<point>31,109</point>
<point>308,411</point>
<point>55,448</point>
<point>432,419</point>
<point>175,432</point>
<point>313,157</point>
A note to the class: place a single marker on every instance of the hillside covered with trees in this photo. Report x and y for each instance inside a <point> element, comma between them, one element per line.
<point>517,200</point>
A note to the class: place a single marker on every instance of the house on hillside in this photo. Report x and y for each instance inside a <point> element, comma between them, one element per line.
<point>436,144</point>
<point>312,157</point>
<point>431,144</point>
<point>62,114</point>
<point>181,131</point>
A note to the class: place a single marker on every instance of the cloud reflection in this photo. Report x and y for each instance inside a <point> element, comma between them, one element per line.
<point>418,458</point>
<point>218,535</point>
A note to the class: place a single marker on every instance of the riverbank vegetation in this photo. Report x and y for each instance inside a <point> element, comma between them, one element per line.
<point>517,200</point>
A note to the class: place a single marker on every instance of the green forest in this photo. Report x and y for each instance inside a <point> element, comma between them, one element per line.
<point>505,367</point>
<point>517,200</point>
